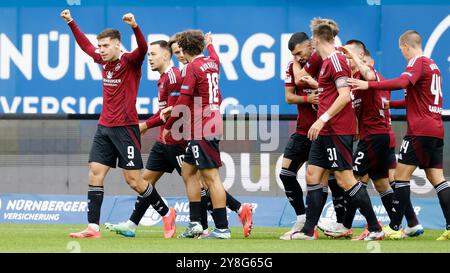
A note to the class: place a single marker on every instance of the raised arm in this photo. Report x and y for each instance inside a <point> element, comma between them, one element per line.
<point>366,71</point>
<point>394,84</point>
<point>81,39</point>
<point>137,56</point>
<point>210,48</point>
<point>397,104</point>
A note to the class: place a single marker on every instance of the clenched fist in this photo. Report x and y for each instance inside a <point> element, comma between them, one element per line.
<point>208,38</point>
<point>66,15</point>
<point>129,19</point>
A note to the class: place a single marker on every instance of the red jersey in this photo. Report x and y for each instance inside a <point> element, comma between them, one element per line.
<point>121,80</point>
<point>306,113</point>
<point>313,65</point>
<point>386,95</point>
<point>334,67</point>
<point>201,82</point>
<point>168,92</point>
<point>424,98</point>
<point>368,106</point>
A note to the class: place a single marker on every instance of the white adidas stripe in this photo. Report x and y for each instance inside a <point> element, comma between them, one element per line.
<point>356,189</point>
<point>442,186</point>
<point>336,64</point>
<point>171,76</point>
<point>315,187</point>
<point>383,194</point>
<point>148,191</point>
<point>95,188</point>
<point>412,61</point>
<point>288,173</point>
<point>168,75</point>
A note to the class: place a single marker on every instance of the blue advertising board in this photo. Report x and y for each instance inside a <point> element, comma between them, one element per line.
<point>42,70</point>
<point>268,211</point>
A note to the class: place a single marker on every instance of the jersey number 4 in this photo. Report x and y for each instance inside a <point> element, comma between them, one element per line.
<point>213,82</point>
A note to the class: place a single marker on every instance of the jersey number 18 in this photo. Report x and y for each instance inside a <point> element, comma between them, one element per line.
<point>213,82</point>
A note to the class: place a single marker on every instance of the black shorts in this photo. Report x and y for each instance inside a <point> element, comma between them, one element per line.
<point>166,157</point>
<point>112,143</point>
<point>392,159</point>
<point>297,150</point>
<point>332,152</point>
<point>423,151</point>
<point>204,153</point>
<point>372,157</point>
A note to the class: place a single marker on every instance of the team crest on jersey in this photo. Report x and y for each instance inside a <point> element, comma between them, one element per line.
<point>109,74</point>
<point>117,67</point>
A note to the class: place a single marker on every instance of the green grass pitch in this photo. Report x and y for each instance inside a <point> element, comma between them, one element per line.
<point>54,238</point>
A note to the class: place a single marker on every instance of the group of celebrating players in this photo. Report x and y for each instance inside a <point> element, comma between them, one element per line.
<point>118,133</point>
<point>340,98</point>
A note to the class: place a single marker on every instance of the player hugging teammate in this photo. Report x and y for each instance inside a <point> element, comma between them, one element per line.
<point>353,105</point>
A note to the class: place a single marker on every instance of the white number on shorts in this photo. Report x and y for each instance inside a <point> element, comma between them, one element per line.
<point>332,155</point>
<point>180,159</point>
<point>436,88</point>
<point>404,146</point>
<point>130,151</point>
<point>195,151</point>
<point>358,158</point>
